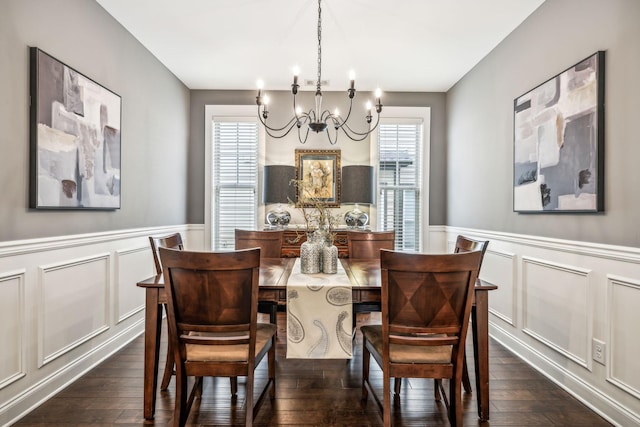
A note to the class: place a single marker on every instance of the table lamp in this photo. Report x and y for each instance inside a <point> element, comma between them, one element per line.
<point>277,188</point>
<point>358,186</point>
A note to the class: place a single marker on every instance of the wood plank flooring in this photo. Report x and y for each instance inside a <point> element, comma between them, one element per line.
<point>309,393</point>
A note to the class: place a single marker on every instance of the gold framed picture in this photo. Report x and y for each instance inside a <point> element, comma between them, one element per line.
<point>318,174</point>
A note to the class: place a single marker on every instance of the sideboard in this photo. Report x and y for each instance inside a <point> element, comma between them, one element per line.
<point>293,238</point>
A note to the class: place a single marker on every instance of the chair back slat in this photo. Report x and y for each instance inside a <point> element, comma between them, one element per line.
<point>465,244</point>
<point>269,241</point>
<point>367,244</point>
<point>172,241</point>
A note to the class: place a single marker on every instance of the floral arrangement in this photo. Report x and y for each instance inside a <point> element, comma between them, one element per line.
<point>317,215</point>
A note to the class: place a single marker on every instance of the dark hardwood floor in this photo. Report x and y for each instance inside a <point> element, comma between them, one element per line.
<point>309,393</point>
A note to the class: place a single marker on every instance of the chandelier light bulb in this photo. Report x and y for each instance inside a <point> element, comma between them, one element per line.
<point>378,93</point>
<point>266,100</point>
<point>367,105</point>
<point>296,71</point>
<point>336,112</point>
<point>298,110</point>
<point>260,84</point>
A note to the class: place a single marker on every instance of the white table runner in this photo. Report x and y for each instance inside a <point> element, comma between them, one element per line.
<point>319,314</point>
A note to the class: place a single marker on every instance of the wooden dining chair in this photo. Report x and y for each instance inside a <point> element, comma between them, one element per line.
<point>213,299</point>
<point>269,241</point>
<point>367,244</point>
<point>465,244</point>
<point>173,241</point>
<point>426,303</point>
<point>270,244</point>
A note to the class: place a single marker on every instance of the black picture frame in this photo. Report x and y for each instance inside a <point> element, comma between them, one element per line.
<point>75,140</point>
<point>558,134</point>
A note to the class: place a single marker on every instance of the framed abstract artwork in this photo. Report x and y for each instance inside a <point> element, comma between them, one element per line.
<point>74,138</point>
<point>318,172</point>
<point>558,153</point>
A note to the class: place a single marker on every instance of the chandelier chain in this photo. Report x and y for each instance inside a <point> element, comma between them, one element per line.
<point>318,87</point>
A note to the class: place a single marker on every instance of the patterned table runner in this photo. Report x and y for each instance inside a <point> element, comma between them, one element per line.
<point>319,314</point>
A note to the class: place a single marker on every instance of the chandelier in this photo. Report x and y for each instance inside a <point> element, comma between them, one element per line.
<point>316,119</point>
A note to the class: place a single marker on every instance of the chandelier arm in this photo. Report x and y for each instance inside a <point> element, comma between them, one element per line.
<point>345,127</point>
<point>332,141</point>
<point>359,136</point>
<point>326,115</point>
<point>273,132</point>
<point>341,122</point>
<point>354,137</point>
<point>306,135</point>
<point>273,135</point>
<point>264,123</point>
<point>371,129</point>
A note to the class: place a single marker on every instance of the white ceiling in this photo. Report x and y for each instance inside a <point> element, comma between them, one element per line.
<point>401,45</point>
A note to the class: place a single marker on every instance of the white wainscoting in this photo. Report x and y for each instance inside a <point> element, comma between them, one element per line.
<point>623,308</point>
<point>12,327</point>
<point>553,298</point>
<point>66,304</point>
<point>40,277</point>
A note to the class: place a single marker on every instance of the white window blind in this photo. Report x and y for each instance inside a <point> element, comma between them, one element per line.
<point>399,181</point>
<point>235,179</point>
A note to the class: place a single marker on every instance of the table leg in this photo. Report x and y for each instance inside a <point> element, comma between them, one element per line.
<point>152,329</point>
<point>480,325</point>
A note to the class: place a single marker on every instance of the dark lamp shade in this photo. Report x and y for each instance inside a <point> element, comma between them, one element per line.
<point>358,185</point>
<point>276,184</point>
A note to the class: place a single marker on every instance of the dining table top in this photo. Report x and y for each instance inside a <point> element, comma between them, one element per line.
<point>274,273</point>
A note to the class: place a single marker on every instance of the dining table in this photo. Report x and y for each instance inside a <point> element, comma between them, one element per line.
<point>365,278</point>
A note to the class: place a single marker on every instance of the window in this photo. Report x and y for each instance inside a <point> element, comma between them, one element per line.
<point>234,177</point>
<point>399,159</point>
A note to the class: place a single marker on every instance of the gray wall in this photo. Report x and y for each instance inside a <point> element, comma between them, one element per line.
<point>480,121</point>
<point>282,100</point>
<point>155,111</point>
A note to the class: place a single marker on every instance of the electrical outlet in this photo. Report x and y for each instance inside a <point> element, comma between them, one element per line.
<point>599,351</point>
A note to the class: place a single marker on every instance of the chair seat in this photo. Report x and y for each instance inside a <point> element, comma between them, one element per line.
<point>407,353</point>
<point>229,353</point>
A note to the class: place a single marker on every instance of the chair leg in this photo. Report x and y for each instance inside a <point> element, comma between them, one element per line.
<point>436,390</point>
<point>168,366</point>
<point>455,401</point>
<point>366,358</point>
<point>397,383</point>
<point>234,386</point>
<point>249,399</point>
<point>273,316</point>
<point>386,399</point>
<point>271,368</point>
<point>180,413</point>
<point>466,383</point>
